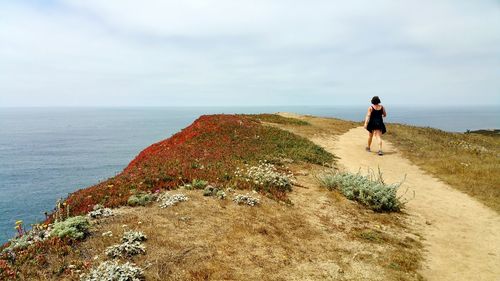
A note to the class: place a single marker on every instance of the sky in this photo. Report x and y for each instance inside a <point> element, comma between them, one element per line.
<point>256,52</point>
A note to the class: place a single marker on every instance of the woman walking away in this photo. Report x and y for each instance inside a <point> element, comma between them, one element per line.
<point>374,123</point>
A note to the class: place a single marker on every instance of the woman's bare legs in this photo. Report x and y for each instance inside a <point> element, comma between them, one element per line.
<point>378,136</point>
<point>370,137</point>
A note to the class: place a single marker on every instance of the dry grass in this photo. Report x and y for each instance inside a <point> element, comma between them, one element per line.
<point>320,236</point>
<point>468,162</point>
<point>316,238</point>
<point>317,125</point>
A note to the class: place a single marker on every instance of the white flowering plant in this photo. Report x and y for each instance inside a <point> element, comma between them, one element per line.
<point>246,200</point>
<point>100,212</point>
<point>133,236</point>
<point>130,246</point>
<point>125,249</point>
<point>265,176</point>
<point>166,200</point>
<point>113,271</point>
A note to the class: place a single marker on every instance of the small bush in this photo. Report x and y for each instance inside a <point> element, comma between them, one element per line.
<point>100,212</point>
<point>125,249</point>
<point>130,246</point>
<point>195,184</point>
<point>246,200</point>
<point>74,227</point>
<point>113,271</point>
<point>199,184</point>
<point>140,199</point>
<point>170,200</point>
<point>370,191</point>
<point>266,176</point>
<point>214,191</point>
<point>134,236</point>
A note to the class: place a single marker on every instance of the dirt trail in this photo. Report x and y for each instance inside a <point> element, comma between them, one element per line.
<point>462,236</point>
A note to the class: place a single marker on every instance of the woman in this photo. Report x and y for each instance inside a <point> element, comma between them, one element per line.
<point>374,123</point>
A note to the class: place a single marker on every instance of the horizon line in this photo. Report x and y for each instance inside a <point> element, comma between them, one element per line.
<point>241,106</point>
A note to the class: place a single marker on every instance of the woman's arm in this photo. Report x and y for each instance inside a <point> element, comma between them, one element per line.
<point>367,118</point>
<point>383,112</point>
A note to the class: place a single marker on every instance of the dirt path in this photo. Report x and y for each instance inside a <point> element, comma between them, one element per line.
<point>462,236</point>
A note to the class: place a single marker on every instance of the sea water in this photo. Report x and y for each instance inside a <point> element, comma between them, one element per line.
<point>46,153</point>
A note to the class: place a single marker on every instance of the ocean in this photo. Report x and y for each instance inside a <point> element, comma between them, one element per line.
<point>46,153</point>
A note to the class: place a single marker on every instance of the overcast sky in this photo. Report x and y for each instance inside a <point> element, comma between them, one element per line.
<point>255,52</point>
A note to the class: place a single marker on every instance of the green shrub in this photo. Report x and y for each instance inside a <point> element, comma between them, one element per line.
<point>195,184</point>
<point>214,191</point>
<point>140,199</point>
<point>369,190</point>
<point>74,227</point>
<point>199,184</point>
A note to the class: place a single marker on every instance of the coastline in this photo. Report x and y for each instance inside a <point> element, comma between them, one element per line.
<point>188,157</point>
<point>84,152</point>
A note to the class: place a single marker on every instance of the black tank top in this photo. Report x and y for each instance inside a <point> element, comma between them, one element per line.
<point>377,114</point>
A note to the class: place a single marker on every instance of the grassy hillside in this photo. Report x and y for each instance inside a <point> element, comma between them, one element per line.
<point>209,151</point>
<point>467,161</point>
<point>249,224</point>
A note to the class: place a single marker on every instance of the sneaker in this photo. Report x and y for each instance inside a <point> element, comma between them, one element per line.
<point>380,153</point>
<point>367,149</point>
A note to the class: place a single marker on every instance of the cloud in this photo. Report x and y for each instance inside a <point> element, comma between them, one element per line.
<point>221,52</point>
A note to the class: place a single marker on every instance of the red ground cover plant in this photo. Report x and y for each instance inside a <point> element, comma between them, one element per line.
<point>6,271</point>
<point>210,149</point>
<point>35,254</point>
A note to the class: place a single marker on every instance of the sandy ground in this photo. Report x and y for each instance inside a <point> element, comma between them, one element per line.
<point>462,236</point>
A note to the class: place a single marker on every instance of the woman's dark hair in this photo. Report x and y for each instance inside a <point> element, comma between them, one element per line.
<point>375,100</point>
